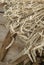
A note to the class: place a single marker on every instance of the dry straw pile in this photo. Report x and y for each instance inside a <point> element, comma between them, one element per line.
<point>26,19</point>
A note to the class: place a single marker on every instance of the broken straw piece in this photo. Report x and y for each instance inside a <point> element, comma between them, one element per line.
<point>10,44</point>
